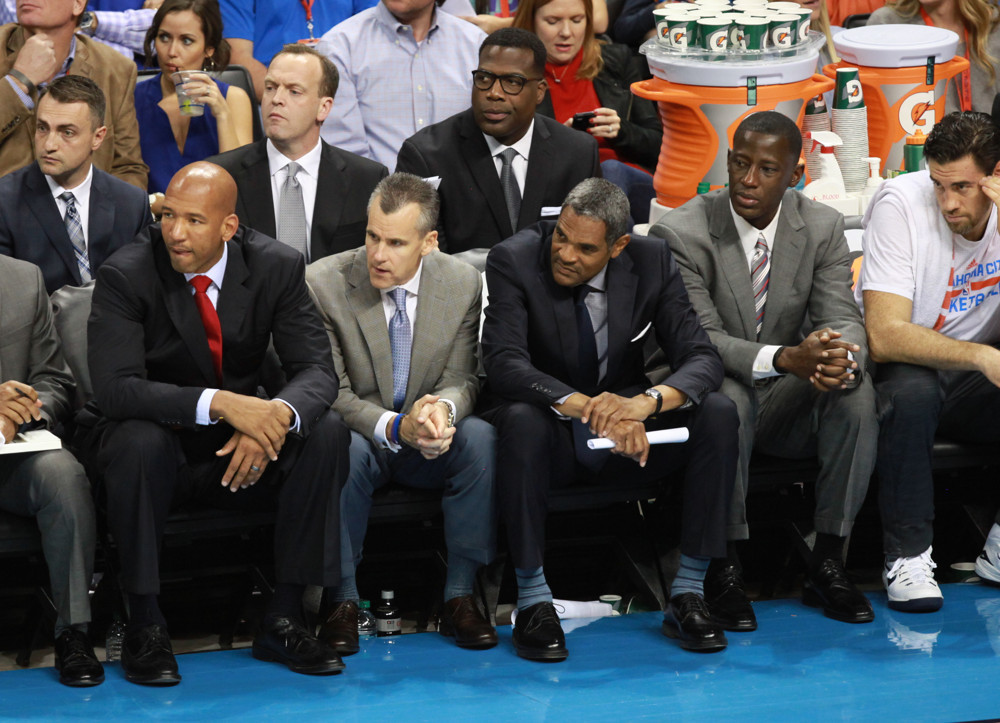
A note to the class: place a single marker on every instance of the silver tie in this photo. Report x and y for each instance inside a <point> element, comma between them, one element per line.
<point>74,228</point>
<point>760,270</point>
<point>511,193</point>
<point>292,212</point>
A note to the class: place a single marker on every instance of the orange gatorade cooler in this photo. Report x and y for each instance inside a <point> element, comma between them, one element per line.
<point>904,72</point>
<point>702,100</point>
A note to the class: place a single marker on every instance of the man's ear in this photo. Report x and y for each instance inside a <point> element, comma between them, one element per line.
<point>796,175</point>
<point>619,245</point>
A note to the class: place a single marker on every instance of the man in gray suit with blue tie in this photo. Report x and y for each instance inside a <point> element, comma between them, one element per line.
<point>768,272</point>
<point>403,320</point>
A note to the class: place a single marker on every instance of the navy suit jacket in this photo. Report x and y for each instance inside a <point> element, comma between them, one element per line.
<point>473,210</point>
<point>529,337</point>
<point>147,348</point>
<point>340,215</point>
<point>32,229</point>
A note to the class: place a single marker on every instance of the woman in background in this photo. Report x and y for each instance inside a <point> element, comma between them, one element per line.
<point>187,35</point>
<point>976,23</point>
<point>585,74</point>
<point>820,22</point>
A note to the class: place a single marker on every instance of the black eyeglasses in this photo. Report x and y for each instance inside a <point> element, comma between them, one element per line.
<point>511,84</point>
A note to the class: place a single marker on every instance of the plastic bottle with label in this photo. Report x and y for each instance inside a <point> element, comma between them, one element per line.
<point>387,618</point>
<point>366,620</point>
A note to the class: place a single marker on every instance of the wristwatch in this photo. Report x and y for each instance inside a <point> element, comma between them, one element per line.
<point>87,24</point>
<point>655,395</point>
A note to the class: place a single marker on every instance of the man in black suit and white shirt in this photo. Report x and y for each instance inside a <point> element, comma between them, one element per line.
<point>179,327</point>
<point>570,305</point>
<point>499,163</point>
<point>61,213</point>
<point>321,211</point>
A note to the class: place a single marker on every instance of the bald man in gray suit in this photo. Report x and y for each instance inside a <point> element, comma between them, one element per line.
<point>403,320</point>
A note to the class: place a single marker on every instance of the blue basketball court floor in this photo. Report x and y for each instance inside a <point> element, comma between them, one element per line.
<point>798,666</point>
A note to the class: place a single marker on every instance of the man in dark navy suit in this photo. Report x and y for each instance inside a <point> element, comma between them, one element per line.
<point>570,305</point>
<point>61,213</point>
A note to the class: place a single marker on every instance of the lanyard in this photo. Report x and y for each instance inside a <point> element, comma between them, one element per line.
<point>307,5</point>
<point>965,88</point>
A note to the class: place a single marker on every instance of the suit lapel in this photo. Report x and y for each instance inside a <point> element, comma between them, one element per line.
<point>234,298</point>
<point>255,190</point>
<point>366,305</point>
<point>733,262</point>
<point>563,311</point>
<point>46,213</point>
<point>431,307</point>
<point>184,314</point>
<point>540,162</point>
<point>620,288</point>
<point>101,222</point>
<point>331,189</point>
<point>785,258</point>
<point>483,168</point>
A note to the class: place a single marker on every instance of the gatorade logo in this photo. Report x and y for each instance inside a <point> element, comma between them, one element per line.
<point>852,91</point>
<point>783,39</point>
<point>917,111</point>
<point>718,39</point>
<point>680,39</point>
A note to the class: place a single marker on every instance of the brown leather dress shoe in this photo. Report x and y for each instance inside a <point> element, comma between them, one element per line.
<point>340,631</point>
<point>463,621</point>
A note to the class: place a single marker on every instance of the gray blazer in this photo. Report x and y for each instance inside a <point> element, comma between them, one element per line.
<point>443,359</point>
<point>809,286</point>
<point>29,348</point>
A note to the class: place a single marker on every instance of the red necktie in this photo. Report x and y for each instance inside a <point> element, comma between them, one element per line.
<point>210,320</point>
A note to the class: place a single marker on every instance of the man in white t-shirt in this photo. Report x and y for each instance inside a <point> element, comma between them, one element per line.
<point>929,286</point>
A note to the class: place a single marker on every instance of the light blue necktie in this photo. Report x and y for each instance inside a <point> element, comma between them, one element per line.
<point>75,230</point>
<point>400,337</point>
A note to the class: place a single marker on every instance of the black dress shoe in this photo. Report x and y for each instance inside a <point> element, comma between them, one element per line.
<point>538,635</point>
<point>463,621</point>
<point>75,660</point>
<point>727,598</point>
<point>687,619</point>
<point>340,631</point>
<point>828,587</point>
<point>285,640</point>
<point>147,657</point>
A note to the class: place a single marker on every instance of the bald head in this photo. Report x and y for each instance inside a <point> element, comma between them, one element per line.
<point>198,216</point>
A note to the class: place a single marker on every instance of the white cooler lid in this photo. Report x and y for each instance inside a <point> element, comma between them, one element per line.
<point>895,46</point>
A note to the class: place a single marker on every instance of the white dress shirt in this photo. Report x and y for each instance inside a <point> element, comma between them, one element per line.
<point>520,163</point>
<point>308,178</point>
<point>82,195</point>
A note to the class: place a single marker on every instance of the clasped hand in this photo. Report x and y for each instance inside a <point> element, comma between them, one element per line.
<point>425,427</point>
<point>261,427</point>
<point>821,359</point>
<point>620,419</point>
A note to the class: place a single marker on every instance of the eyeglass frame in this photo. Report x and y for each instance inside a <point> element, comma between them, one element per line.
<point>502,78</point>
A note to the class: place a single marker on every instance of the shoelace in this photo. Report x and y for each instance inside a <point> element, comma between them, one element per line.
<point>917,570</point>
<point>729,577</point>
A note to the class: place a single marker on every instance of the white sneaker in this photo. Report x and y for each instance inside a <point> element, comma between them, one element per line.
<point>911,586</point>
<point>988,562</point>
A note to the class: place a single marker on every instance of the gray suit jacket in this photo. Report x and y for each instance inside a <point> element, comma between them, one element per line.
<point>809,286</point>
<point>29,348</point>
<point>443,359</point>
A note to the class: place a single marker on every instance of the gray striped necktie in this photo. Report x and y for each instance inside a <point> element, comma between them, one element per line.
<point>511,192</point>
<point>74,227</point>
<point>292,212</point>
<point>760,271</point>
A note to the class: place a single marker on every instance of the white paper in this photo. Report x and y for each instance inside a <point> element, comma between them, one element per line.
<point>35,440</point>
<point>659,436</point>
<point>434,181</point>
<point>550,211</point>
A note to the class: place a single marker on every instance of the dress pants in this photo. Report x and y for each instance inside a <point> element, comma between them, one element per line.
<point>536,453</point>
<point>785,416</point>
<point>149,469</point>
<point>914,403</point>
<point>53,488</point>
<point>465,472</point>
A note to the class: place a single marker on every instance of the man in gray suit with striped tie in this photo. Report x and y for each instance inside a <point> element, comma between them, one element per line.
<point>769,273</point>
<point>403,320</point>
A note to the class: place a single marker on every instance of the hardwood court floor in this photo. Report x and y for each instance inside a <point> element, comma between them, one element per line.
<point>798,666</point>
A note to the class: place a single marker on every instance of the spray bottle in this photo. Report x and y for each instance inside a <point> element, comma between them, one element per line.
<point>829,185</point>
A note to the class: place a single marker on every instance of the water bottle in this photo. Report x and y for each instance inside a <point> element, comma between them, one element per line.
<point>113,642</point>
<point>366,621</point>
<point>387,620</point>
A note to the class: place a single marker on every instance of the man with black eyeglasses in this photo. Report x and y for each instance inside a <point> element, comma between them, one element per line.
<point>500,166</point>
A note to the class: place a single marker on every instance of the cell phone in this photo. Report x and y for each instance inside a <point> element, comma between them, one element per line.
<point>581,121</point>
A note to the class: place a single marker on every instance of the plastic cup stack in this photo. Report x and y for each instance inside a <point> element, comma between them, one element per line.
<point>849,120</point>
<point>816,118</point>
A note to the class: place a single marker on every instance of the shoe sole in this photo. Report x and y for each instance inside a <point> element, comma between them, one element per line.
<point>271,657</point>
<point>813,600</point>
<point>544,656</point>
<point>731,627</point>
<point>697,646</point>
<point>88,683</point>
<point>161,681</point>
<point>917,605</point>
<point>449,632</point>
<point>344,650</point>
<point>990,576</point>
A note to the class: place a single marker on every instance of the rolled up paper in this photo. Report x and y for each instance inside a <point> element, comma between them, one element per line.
<point>659,436</point>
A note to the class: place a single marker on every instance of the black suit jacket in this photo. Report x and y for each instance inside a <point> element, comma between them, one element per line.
<point>530,341</point>
<point>147,349</point>
<point>340,215</point>
<point>473,211</point>
<point>32,229</point>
